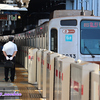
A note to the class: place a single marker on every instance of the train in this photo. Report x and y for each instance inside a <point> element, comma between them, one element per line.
<point>77,36</point>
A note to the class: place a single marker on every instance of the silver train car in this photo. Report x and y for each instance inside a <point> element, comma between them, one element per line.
<point>74,36</point>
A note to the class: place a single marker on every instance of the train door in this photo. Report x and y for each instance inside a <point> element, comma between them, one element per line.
<point>54,40</point>
<point>68,42</point>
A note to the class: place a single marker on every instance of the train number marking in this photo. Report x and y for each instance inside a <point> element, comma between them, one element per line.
<point>70,55</point>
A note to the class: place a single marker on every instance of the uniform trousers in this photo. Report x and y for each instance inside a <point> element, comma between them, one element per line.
<point>12,71</point>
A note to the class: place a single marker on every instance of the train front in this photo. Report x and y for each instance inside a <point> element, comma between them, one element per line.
<point>89,45</point>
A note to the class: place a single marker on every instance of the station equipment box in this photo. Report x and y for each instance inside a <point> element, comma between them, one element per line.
<point>50,75</point>
<point>32,75</point>
<point>43,72</point>
<point>26,57</point>
<point>64,77</point>
<point>80,80</point>
<point>39,53</point>
<point>56,77</point>
<point>94,89</point>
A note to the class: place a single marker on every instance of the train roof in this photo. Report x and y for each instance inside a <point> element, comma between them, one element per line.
<point>68,13</point>
<point>11,7</point>
<point>75,17</point>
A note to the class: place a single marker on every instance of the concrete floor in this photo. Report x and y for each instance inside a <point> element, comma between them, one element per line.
<point>19,89</point>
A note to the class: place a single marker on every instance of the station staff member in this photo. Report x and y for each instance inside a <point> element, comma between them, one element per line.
<point>9,51</point>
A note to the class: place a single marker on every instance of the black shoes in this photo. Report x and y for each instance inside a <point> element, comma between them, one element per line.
<point>12,80</point>
<point>6,80</point>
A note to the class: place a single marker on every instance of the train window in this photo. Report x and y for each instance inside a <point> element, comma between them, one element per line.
<point>54,40</point>
<point>90,37</point>
<point>68,22</point>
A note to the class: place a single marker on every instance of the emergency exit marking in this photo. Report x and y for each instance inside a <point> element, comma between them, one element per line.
<point>68,38</point>
<point>68,31</point>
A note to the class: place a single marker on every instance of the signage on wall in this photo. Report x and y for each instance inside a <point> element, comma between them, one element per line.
<point>3,17</point>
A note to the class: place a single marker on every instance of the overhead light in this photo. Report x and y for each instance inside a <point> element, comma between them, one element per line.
<point>19,17</point>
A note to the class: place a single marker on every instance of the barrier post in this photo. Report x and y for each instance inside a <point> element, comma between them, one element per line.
<point>94,91</point>
<point>80,86</point>
<point>25,57</point>
<point>39,67</point>
<point>43,72</point>
<point>64,77</point>
<point>50,75</point>
<point>56,77</point>
<point>32,66</point>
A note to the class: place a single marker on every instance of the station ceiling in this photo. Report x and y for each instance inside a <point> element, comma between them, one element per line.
<point>41,9</point>
<point>45,5</point>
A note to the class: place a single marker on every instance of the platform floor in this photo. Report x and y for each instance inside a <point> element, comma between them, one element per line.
<point>20,89</point>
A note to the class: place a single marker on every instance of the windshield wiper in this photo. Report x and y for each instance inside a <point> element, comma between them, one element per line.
<point>89,52</point>
<point>85,47</point>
